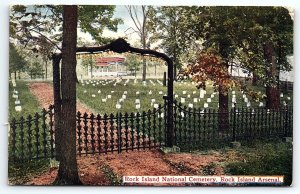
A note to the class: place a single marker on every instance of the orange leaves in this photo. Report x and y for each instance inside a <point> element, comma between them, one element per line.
<point>209,66</point>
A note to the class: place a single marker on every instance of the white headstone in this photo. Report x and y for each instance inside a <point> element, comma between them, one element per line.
<point>233,99</point>
<point>160,92</point>
<point>182,114</point>
<point>152,100</point>
<point>191,105</point>
<point>108,96</point>
<point>18,108</point>
<point>182,100</point>
<point>103,99</point>
<point>176,95</point>
<point>99,91</point>
<point>124,96</point>
<point>194,92</point>
<point>150,92</point>
<point>118,106</point>
<point>248,104</point>
<point>112,92</point>
<point>93,95</point>
<point>184,92</point>
<point>261,104</point>
<point>288,98</point>
<point>125,92</point>
<point>188,95</point>
<point>208,99</point>
<point>205,105</point>
<point>137,101</point>
<point>233,92</point>
<point>155,105</point>
<point>281,95</point>
<point>84,91</point>
<point>195,99</point>
<point>138,106</point>
<point>137,93</point>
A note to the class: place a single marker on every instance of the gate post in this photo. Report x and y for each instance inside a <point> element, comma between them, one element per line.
<point>170,119</point>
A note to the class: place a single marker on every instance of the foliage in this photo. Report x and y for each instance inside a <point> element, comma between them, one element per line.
<point>32,25</point>
<point>88,62</point>
<point>168,27</point>
<point>209,66</point>
<point>17,61</point>
<point>28,101</point>
<point>265,159</point>
<point>35,70</point>
<point>20,173</point>
<point>132,63</point>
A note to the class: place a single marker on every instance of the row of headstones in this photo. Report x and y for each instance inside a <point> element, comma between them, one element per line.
<point>117,81</point>
<point>15,95</point>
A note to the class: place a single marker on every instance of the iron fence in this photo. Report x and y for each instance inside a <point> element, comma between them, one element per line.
<point>33,137</point>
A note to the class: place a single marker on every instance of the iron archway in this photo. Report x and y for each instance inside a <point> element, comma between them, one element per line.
<point>118,46</point>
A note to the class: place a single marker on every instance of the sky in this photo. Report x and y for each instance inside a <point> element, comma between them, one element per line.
<point>120,12</point>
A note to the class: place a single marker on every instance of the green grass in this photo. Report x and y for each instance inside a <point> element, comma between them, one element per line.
<point>20,173</point>
<point>264,159</point>
<point>28,101</point>
<point>96,104</point>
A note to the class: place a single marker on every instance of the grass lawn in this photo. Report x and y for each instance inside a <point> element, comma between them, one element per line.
<point>28,101</point>
<point>263,158</point>
<point>88,94</point>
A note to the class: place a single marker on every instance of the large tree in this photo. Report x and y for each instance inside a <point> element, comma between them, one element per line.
<point>38,26</point>
<point>265,46</point>
<point>68,171</point>
<point>168,27</point>
<point>140,16</point>
<point>17,62</point>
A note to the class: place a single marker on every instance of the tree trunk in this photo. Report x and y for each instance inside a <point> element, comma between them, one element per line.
<point>223,94</point>
<point>272,89</point>
<point>144,59</point>
<point>91,71</point>
<point>46,67</point>
<point>223,110</point>
<point>16,75</point>
<point>68,171</point>
<point>19,74</point>
<point>144,69</point>
<point>254,80</point>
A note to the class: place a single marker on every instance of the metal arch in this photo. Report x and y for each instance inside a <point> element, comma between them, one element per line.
<point>121,46</point>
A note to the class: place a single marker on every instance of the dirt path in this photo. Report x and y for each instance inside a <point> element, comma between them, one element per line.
<point>99,169</point>
<point>44,95</point>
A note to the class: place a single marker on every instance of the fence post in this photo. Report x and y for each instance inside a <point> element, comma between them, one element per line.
<point>286,122</point>
<point>165,79</point>
<point>234,124</point>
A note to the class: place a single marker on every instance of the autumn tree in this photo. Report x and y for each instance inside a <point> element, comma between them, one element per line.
<point>209,66</point>
<point>68,171</point>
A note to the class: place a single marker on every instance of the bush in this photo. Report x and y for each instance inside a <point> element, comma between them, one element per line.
<point>265,159</point>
